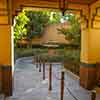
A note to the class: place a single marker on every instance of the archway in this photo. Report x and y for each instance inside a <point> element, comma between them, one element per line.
<point>90,11</point>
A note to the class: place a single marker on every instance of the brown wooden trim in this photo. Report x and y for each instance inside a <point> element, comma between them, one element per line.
<point>3,14</point>
<point>75,2</point>
<point>83,3</point>
<point>89,65</point>
<point>8,11</point>
<point>88,75</point>
<point>7,80</point>
<point>46,1</point>
<point>78,3</point>
<point>6,67</point>
<point>3,10</point>
<point>93,2</point>
<point>96,28</point>
<point>39,7</point>
<point>3,24</point>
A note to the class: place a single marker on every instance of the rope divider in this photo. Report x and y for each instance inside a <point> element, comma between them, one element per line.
<point>93,96</point>
<point>56,76</point>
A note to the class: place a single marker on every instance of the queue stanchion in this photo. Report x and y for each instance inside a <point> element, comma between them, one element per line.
<point>43,70</point>
<point>37,62</point>
<point>50,77</point>
<point>39,65</point>
<point>93,95</point>
<point>62,86</point>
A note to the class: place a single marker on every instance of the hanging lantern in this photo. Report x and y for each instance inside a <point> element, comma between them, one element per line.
<point>62,9</point>
<point>62,6</point>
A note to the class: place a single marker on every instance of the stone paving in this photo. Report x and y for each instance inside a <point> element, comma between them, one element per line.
<point>29,83</point>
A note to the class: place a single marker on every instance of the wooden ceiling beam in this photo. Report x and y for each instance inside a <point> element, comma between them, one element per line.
<point>71,1</point>
<point>93,2</point>
<point>81,1</point>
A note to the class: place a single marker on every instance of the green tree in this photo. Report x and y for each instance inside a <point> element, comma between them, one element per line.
<point>73,32</point>
<point>30,24</point>
<point>19,29</point>
<point>55,17</point>
<point>37,23</point>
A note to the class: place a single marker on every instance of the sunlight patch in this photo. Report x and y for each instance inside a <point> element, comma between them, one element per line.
<point>29,90</point>
<point>45,81</point>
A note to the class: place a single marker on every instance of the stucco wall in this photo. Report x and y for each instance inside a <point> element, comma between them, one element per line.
<point>94,36</point>
<point>5,34</point>
<point>5,45</point>
<point>5,39</point>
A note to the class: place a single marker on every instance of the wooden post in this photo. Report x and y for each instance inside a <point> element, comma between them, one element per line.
<point>93,95</point>
<point>43,70</point>
<point>62,86</point>
<point>50,77</point>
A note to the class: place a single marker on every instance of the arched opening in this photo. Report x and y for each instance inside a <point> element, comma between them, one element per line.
<point>68,39</point>
<point>53,49</point>
<point>88,14</point>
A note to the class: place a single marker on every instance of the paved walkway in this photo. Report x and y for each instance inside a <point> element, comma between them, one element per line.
<point>29,84</point>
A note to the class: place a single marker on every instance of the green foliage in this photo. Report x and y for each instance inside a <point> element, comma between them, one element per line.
<point>19,29</point>
<point>73,32</point>
<point>37,23</point>
<point>55,17</point>
<point>70,54</point>
<point>30,24</point>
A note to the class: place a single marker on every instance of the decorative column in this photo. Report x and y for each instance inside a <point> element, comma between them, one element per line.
<point>5,47</point>
<point>90,48</point>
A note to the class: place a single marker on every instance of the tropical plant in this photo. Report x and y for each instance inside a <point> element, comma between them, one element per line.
<point>73,32</point>
<point>19,29</point>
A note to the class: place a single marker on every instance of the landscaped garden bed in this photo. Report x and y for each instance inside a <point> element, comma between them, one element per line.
<point>70,57</point>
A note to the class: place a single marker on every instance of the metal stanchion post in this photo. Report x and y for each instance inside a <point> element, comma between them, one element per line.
<point>62,86</point>
<point>39,65</point>
<point>93,95</point>
<point>43,70</point>
<point>50,77</point>
<point>37,62</point>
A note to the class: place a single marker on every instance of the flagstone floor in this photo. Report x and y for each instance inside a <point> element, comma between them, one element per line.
<point>29,83</point>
